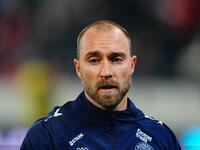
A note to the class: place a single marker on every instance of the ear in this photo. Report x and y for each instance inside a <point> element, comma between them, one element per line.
<point>77,66</point>
<point>133,62</point>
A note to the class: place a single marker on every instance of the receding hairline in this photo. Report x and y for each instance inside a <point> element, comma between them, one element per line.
<point>103,25</point>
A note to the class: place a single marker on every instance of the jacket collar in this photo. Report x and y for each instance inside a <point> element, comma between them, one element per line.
<point>84,105</point>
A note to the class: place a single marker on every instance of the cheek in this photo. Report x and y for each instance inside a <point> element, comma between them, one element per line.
<point>125,69</point>
<point>124,73</point>
<point>89,74</point>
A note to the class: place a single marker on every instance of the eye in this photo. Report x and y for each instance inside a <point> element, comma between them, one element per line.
<point>117,59</point>
<point>93,60</point>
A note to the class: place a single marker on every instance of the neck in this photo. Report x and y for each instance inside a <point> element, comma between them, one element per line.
<point>120,107</point>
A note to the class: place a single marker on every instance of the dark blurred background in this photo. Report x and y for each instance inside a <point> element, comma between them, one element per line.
<point>38,45</point>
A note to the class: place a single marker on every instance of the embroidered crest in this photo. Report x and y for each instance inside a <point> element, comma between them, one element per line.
<point>143,146</point>
<point>82,148</point>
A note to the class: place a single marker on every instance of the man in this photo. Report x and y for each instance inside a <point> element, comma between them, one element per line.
<point>102,117</point>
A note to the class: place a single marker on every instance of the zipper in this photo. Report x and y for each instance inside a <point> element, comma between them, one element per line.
<point>113,131</point>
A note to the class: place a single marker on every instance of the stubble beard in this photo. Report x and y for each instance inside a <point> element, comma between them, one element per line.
<point>109,100</point>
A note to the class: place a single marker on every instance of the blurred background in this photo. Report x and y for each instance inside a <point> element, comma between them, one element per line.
<point>38,45</point>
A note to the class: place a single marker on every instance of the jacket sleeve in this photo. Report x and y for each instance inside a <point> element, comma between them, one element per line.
<point>37,138</point>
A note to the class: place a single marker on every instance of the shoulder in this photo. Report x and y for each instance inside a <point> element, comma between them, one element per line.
<point>40,127</point>
<point>157,127</point>
<point>160,132</point>
<point>52,120</point>
<point>39,135</point>
<point>50,129</point>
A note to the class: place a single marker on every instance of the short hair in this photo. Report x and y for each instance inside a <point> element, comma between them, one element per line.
<point>103,25</point>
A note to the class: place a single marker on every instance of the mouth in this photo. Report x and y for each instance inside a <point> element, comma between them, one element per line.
<point>107,87</point>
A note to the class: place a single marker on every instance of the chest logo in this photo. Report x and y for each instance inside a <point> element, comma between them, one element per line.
<point>74,140</point>
<point>143,136</point>
<point>82,148</point>
<point>143,146</point>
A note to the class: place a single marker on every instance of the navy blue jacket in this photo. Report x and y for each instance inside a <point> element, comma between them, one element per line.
<point>79,125</point>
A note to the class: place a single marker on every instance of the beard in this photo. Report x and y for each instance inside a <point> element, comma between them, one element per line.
<point>109,100</point>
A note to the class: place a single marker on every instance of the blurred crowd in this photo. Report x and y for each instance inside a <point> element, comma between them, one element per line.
<point>38,40</point>
<point>164,32</point>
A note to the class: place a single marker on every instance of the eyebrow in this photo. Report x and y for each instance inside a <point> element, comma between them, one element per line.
<point>94,53</point>
<point>116,54</point>
<point>113,54</point>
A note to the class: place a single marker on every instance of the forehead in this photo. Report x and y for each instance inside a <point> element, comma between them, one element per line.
<point>108,38</point>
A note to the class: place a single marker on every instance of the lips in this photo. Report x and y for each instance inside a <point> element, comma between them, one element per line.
<point>107,86</point>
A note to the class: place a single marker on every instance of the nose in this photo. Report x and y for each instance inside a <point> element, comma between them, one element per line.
<point>106,69</point>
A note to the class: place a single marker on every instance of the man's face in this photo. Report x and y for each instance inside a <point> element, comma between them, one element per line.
<point>105,66</point>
